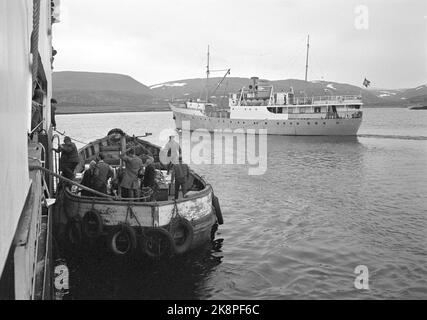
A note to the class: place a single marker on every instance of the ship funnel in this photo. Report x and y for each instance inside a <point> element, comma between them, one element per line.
<point>254,82</point>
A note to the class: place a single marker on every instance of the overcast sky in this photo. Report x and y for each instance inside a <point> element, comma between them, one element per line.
<point>163,40</point>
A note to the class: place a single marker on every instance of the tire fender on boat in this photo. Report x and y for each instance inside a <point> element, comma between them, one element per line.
<point>122,240</point>
<point>218,213</point>
<point>92,224</point>
<point>156,243</point>
<point>184,227</point>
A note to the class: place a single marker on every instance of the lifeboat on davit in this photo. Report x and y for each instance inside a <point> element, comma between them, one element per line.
<point>154,225</point>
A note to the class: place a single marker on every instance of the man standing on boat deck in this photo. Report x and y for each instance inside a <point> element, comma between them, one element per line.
<point>88,179</point>
<point>69,158</point>
<point>182,173</point>
<point>103,172</point>
<point>130,183</point>
<point>171,153</point>
<point>149,173</point>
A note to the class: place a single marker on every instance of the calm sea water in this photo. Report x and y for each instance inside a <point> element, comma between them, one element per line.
<point>324,206</point>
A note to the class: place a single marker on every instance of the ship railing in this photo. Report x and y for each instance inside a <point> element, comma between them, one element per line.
<point>336,98</point>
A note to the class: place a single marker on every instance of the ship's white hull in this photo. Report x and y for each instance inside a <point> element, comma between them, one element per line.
<point>185,120</point>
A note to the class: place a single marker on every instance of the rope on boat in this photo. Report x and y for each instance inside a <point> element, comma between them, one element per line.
<point>32,168</point>
<point>35,41</point>
<point>60,177</point>
<point>63,134</point>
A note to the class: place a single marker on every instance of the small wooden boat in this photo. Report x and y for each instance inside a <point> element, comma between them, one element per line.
<point>155,224</point>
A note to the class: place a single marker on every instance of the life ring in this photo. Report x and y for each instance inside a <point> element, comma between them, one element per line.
<point>122,240</point>
<point>92,224</point>
<point>182,235</point>
<point>156,243</point>
<point>74,233</point>
<point>218,213</point>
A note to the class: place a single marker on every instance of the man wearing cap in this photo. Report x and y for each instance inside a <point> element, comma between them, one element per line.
<point>130,183</point>
<point>69,158</point>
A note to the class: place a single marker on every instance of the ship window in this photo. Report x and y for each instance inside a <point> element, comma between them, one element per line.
<point>308,123</point>
<point>316,109</point>
<point>338,122</point>
<point>302,110</point>
<point>324,122</point>
<point>297,123</point>
<point>290,123</point>
<point>278,123</point>
<point>315,123</point>
<point>284,123</point>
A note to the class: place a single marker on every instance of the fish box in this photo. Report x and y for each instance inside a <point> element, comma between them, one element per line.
<point>162,194</point>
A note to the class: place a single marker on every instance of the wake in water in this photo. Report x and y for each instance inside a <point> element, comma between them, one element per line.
<point>386,136</point>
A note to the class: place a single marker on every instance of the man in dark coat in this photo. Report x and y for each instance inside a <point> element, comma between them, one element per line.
<point>103,172</point>
<point>130,182</point>
<point>88,179</point>
<point>149,173</point>
<point>69,158</point>
<point>182,173</point>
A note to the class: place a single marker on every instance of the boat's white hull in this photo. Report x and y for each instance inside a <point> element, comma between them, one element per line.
<point>291,127</point>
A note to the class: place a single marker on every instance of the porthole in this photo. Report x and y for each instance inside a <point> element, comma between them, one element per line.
<point>297,123</point>
<point>284,123</point>
<point>290,123</point>
<point>315,123</point>
<point>308,123</point>
<point>266,123</point>
<point>324,122</point>
<point>278,123</point>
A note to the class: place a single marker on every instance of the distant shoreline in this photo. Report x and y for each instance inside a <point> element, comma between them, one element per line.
<point>60,110</point>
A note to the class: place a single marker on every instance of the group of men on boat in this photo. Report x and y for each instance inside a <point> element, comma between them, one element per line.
<point>136,176</point>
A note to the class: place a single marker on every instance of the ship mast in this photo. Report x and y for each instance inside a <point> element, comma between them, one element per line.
<point>207,77</point>
<point>306,59</point>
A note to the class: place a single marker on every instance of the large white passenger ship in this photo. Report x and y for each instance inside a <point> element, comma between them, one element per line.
<point>258,107</point>
<point>280,113</point>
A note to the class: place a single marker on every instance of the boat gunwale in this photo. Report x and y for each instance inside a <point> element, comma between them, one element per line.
<point>98,200</point>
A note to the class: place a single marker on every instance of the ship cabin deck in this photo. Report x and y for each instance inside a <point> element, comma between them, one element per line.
<point>263,98</point>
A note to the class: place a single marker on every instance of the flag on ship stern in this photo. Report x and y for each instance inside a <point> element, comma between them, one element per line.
<point>366,82</point>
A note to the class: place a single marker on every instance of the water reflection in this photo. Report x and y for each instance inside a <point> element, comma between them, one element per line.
<point>96,274</point>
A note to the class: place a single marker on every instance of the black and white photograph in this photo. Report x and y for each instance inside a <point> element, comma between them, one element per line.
<point>213,155</point>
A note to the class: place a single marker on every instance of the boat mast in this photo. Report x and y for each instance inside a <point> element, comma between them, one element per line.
<point>306,59</point>
<point>207,77</point>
